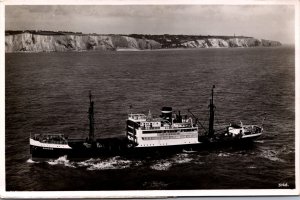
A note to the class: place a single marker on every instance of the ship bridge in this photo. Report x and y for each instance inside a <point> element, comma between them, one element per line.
<point>137,117</point>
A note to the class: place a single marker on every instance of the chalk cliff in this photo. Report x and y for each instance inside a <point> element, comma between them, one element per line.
<point>35,42</point>
<point>232,42</point>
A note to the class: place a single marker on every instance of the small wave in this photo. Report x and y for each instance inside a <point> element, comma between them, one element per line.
<point>199,162</point>
<point>61,161</point>
<point>242,153</point>
<point>259,141</point>
<point>223,154</point>
<point>31,161</point>
<point>155,185</point>
<point>251,167</point>
<point>164,165</point>
<point>286,150</point>
<point>87,163</point>
<point>188,151</point>
<point>138,163</point>
<point>182,158</point>
<point>271,155</point>
<point>161,165</point>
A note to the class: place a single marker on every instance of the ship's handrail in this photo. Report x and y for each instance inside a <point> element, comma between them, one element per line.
<point>165,127</point>
<point>248,129</point>
<point>137,116</point>
<point>187,124</point>
<point>50,134</point>
<point>252,129</point>
<point>149,128</point>
<point>50,138</point>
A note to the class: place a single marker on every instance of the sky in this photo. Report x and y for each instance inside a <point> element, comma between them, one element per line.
<point>273,22</point>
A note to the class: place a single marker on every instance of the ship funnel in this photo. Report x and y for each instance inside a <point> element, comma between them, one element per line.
<point>166,113</point>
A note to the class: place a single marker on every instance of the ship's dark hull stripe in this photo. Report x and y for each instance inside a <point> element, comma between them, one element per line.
<point>80,151</point>
<point>48,152</point>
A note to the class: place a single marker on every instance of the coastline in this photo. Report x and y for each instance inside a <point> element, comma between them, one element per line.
<point>146,50</point>
<point>29,41</point>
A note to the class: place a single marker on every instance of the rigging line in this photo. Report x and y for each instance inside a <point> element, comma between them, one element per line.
<point>204,122</point>
<point>201,125</point>
<point>197,120</point>
<point>217,118</point>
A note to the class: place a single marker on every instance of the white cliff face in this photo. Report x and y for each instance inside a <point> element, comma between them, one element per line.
<point>223,43</point>
<point>196,44</point>
<point>202,43</point>
<point>8,43</point>
<point>47,43</point>
<point>218,43</point>
<point>232,42</point>
<point>132,43</point>
<point>29,42</point>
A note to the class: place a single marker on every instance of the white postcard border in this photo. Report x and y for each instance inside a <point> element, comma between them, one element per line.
<point>145,193</point>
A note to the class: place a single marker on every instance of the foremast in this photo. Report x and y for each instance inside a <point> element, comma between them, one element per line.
<point>211,114</point>
<point>91,120</point>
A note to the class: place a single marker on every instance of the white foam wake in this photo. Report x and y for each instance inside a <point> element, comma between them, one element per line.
<point>182,158</point>
<point>61,161</point>
<point>166,164</point>
<point>105,164</point>
<point>163,165</point>
<point>31,161</point>
<point>259,141</point>
<point>223,154</point>
<point>95,164</point>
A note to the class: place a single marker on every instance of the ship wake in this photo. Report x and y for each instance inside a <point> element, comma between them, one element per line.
<point>105,164</point>
<point>62,161</point>
<point>166,164</point>
<point>31,161</point>
<point>94,164</point>
<point>119,162</point>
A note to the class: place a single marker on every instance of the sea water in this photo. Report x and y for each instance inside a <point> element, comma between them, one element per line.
<point>48,93</point>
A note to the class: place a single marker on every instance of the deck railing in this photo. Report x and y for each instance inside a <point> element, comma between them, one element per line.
<point>51,138</point>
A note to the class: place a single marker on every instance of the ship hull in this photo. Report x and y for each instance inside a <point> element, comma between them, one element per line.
<point>164,150</point>
<point>240,143</point>
<point>79,152</point>
<point>41,152</point>
<point>113,147</point>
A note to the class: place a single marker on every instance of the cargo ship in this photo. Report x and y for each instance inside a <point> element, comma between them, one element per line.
<point>169,131</point>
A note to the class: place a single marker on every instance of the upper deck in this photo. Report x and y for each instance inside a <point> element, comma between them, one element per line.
<point>144,122</point>
<point>50,138</point>
<point>167,129</point>
<point>137,117</point>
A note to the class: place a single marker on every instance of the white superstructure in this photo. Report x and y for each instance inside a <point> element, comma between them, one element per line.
<point>167,130</point>
<point>49,142</point>
<point>244,131</point>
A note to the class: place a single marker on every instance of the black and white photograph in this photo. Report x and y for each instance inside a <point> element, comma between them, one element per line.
<point>125,97</point>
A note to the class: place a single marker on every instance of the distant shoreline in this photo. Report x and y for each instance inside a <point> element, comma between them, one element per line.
<point>187,49</point>
<point>146,50</point>
<point>30,41</point>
